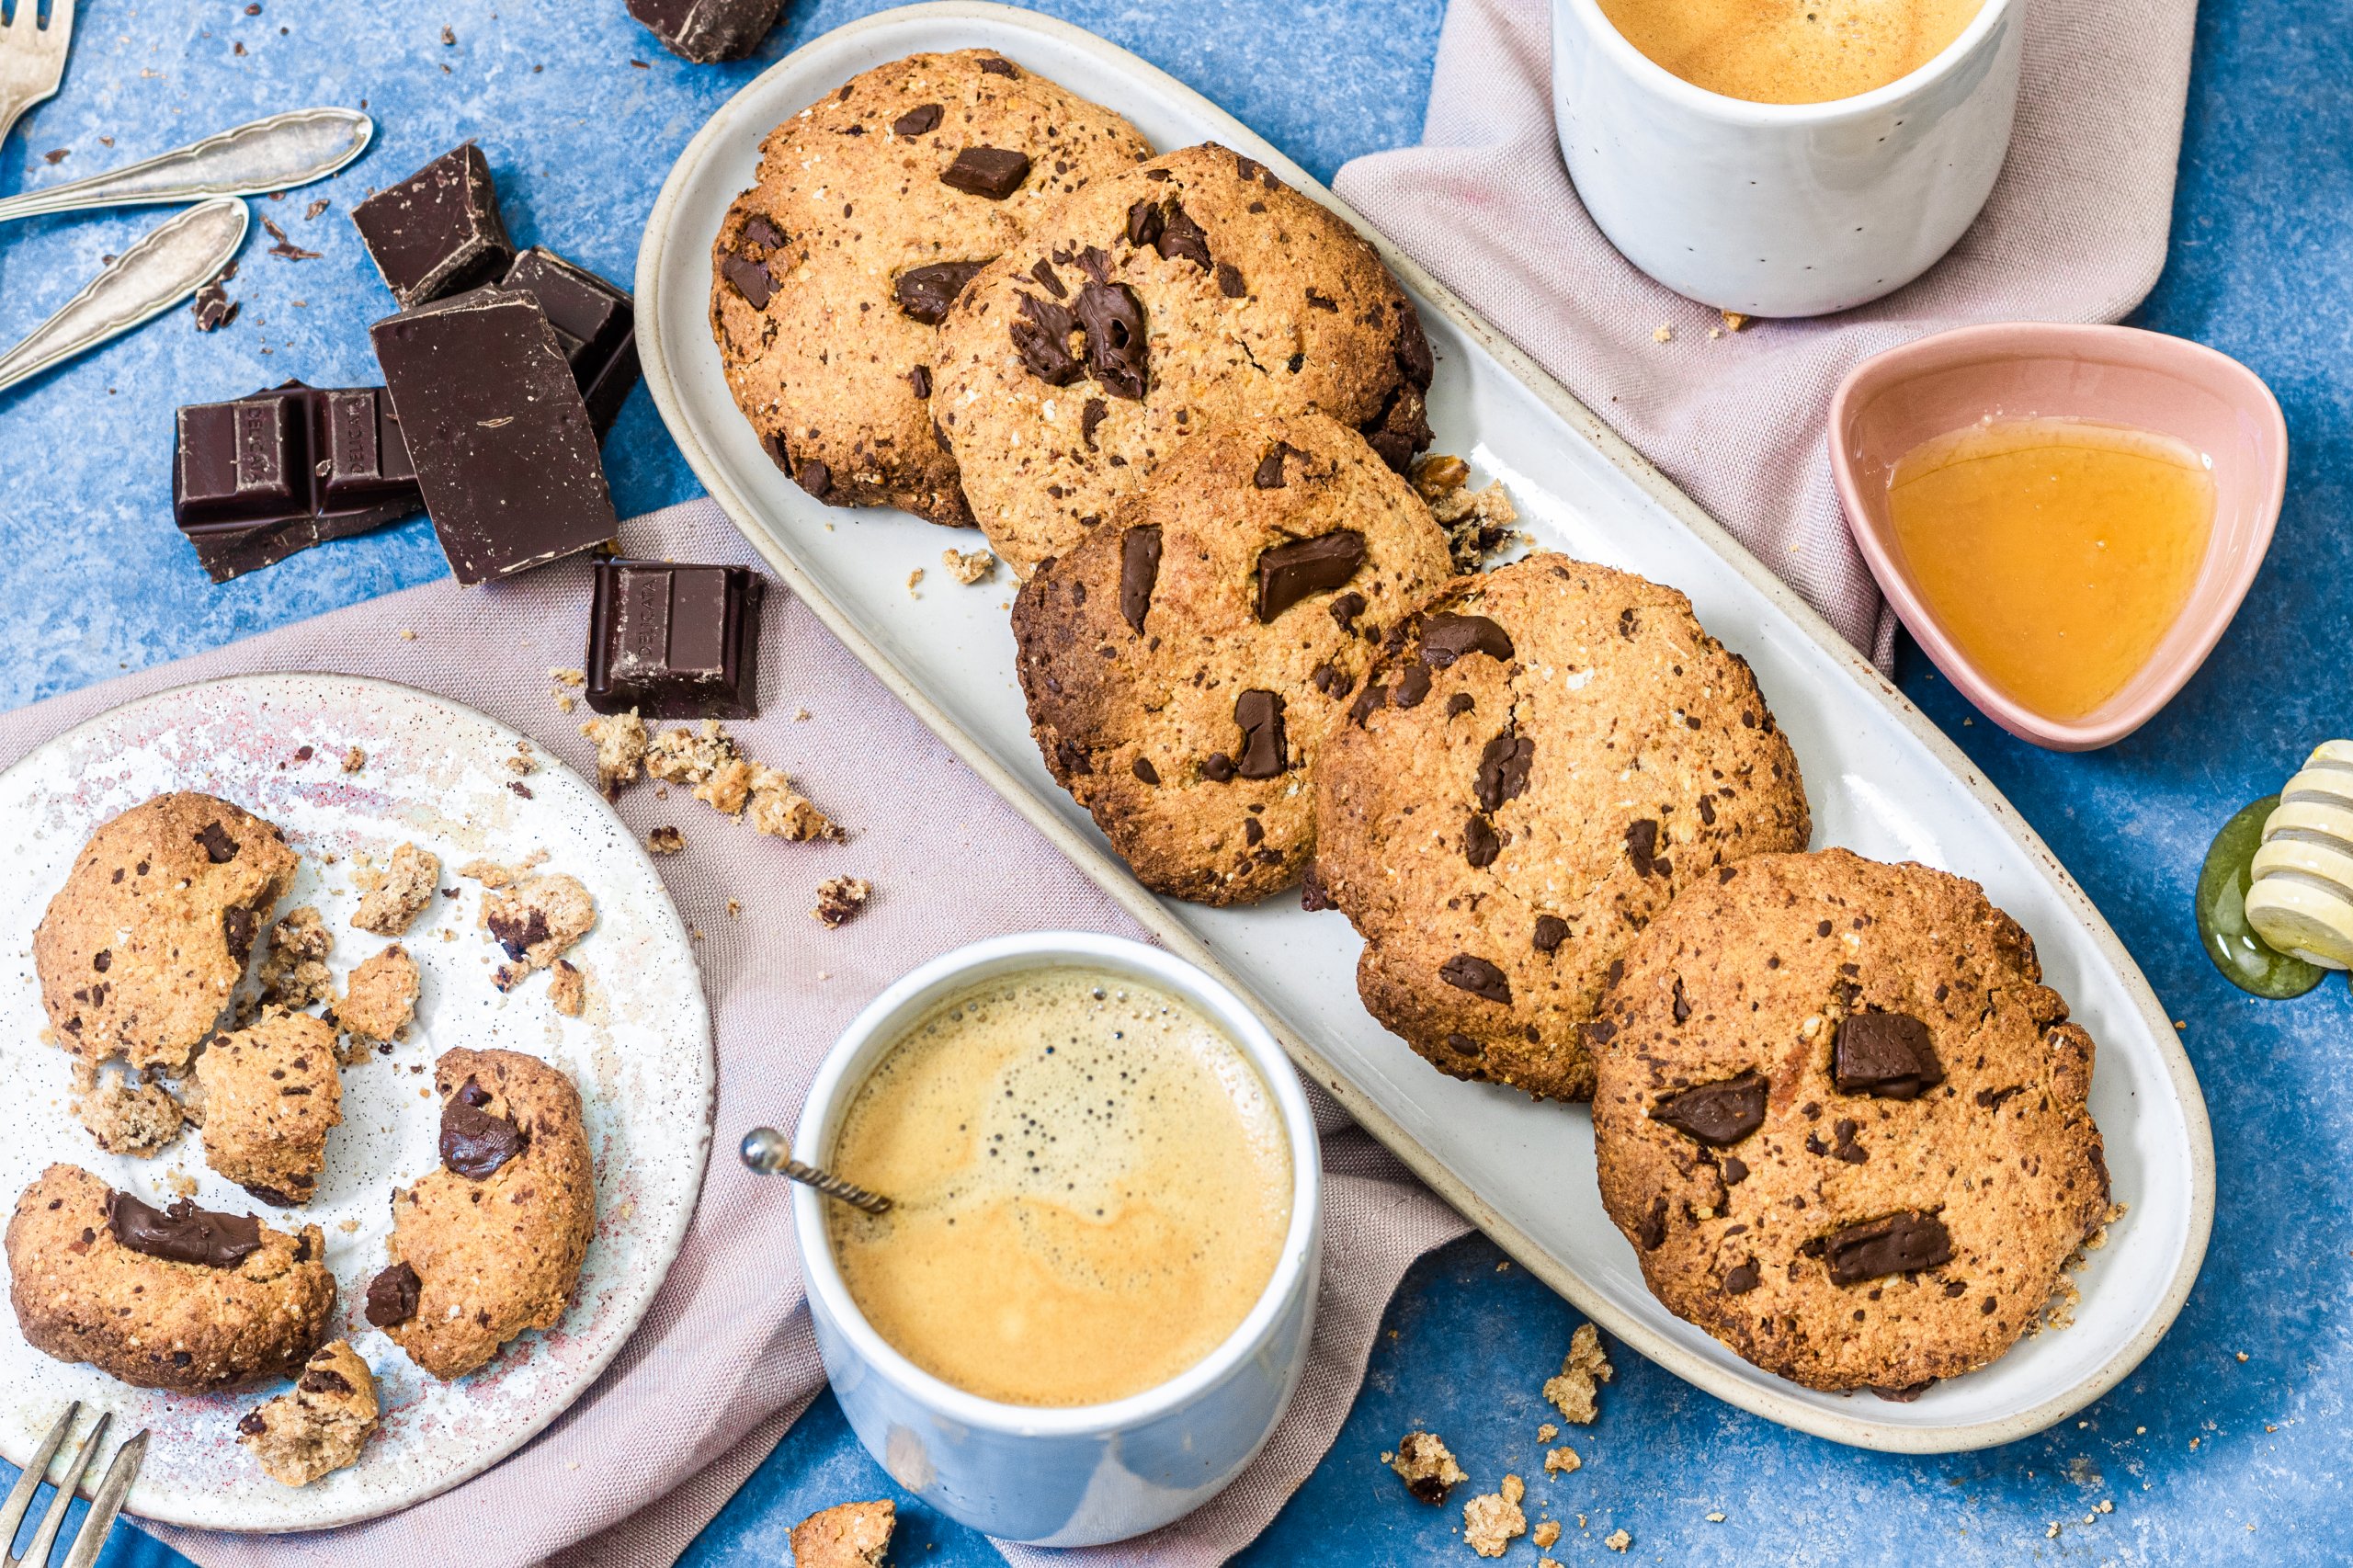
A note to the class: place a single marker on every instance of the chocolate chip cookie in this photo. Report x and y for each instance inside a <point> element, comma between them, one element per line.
<point>1546,755</point>
<point>271,1093</point>
<point>179,1298</point>
<point>1843,1121</point>
<point>138,951</point>
<point>872,208</point>
<point>320,1424</point>
<point>489,1245</point>
<point>1196,288</point>
<point>1185,663</point>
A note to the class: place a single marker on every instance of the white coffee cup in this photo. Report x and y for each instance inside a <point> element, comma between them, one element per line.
<point>1088,1474</point>
<point>1783,209</point>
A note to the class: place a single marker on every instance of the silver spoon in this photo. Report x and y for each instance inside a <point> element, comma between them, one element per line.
<point>769,1152</point>
<point>277,153</point>
<point>166,266</point>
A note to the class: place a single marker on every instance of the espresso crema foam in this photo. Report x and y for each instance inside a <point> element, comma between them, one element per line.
<point>1790,51</point>
<point>1090,1182</point>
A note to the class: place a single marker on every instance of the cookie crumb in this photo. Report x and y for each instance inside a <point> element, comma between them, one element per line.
<point>568,677</point>
<point>1492,1520</point>
<point>568,988</point>
<point>1426,1466</point>
<point>665,840</point>
<point>969,566</point>
<point>394,896</point>
<point>354,760</point>
<point>318,1425</point>
<point>620,742</point>
<point>378,1002</point>
<point>1618,1540</point>
<point>1717,1518</point>
<point>914,579</point>
<point>849,1535</point>
<point>721,776</point>
<point>1734,320</point>
<point>1562,1460</point>
<point>407,636</point>
<point>1662,334</point>
<point>1547,1432</point>
<point>1583,1371</point>
<point>1546,1533</point>
<point>1476,523</point>
<point>839,898</point>
<point>522,765</point>
<point>536,922</point>
<point>127,1114</point>
<point>293,972</point>
<point>734,909</point>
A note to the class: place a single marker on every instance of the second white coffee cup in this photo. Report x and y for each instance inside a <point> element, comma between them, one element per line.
<point>1783,209</point>
<point>1088,1474</point>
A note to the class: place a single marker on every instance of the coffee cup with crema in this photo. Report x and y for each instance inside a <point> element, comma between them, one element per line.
<point>1869,141</point>
<point>1093,1292</point>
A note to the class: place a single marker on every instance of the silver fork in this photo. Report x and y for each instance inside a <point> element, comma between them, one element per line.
<point>32,57</point>
<point>92,1538</point>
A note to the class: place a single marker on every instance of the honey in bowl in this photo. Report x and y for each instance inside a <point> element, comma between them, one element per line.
<point>1090,1188</point>
<point>2056,553</point>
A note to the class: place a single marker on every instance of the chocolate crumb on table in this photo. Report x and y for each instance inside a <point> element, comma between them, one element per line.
<point>126,1114</point>
<point>665,840</point>
<point>620,742</point>
<point>379,1001</point>
<point>1492,1520</point>
<point>1427,1467</point>
<point>394,896</point>
<point>848,1535</point>
<point>568,988</point>
<point>1582,1371</point>
<point>969,566</point>
<point>293,972</point>
<point>840,898</point>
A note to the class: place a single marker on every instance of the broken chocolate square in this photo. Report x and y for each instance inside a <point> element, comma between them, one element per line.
<point>256,480</point>
<point>707,31</point>
<point>504,446</point>
<point>437,232</point>
<point>1886,1054</point>
<point>595,323</point>
<point>675,642</point>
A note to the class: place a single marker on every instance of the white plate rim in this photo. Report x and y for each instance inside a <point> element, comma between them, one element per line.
<point>666,1242</point>
<point>654,357</point>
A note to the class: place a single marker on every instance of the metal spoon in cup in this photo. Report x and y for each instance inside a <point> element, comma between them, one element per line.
<point>769,1152</point>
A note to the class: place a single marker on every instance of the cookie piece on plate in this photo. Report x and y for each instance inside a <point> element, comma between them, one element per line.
<point>319,1424</point>
<point>179,1298</point>
<point>138,951</point>
<point>1547,755</point>
<point>490,1243</point>
<point>1194,289</point>
<point>1843,1122</point>
<point>270,1094</point>
<point>874,208</point>
<point>1185,663</point>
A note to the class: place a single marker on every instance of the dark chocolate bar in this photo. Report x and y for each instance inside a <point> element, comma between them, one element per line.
<point>502,444</point>
<point>595,323</point>
<point>437,232</point>
<point>256,480</point>
<point>707,31</point>
<point>675,642</point>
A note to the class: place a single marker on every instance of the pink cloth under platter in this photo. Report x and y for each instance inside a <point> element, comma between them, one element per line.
<point>2075,232</point>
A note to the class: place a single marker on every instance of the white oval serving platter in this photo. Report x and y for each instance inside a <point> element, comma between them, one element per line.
<point>435,774</point>
<point>1882,780</point>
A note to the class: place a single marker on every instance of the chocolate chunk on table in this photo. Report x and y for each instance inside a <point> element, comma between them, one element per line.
<point>437,232</point>
<point>258,479</point>
<point>674,641</point>
<point>595,323</point>
<point>707,31</point>
<point>502,444</point>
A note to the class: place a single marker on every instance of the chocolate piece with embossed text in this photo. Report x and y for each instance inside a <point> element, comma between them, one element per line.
<point>674,641</point>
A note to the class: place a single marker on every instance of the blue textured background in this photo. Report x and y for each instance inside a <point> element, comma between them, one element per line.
<point>93,581</point>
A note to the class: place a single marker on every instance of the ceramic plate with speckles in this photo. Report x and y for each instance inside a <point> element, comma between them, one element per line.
<point>437,774</point>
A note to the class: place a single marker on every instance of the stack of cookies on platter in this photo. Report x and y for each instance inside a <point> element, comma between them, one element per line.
<point>1837,1113</point>
<point>182,1003</point>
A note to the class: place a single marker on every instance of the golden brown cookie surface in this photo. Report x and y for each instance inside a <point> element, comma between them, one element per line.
<point>1547,754</point>
<point>138,951</point>
<point>320,1424</point>
<point>489,1243</point>
<point>271,1093</point>
<point>1196,288</point>
<point>1185,663</point>
<point>1843,1122</point>
<point>873,207</point>
<point>173,1299</point>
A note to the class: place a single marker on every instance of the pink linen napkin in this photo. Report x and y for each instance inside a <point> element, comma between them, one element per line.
<point>725,1361</point>
<point>2075,232</point>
